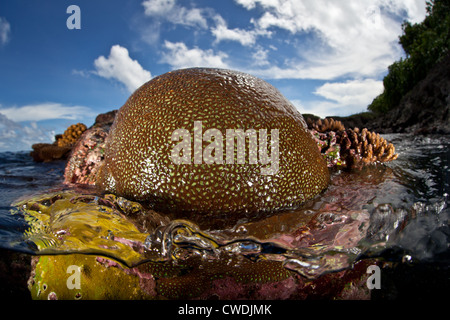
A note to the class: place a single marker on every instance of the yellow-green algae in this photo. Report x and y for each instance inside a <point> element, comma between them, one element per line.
<point>106,279</point>
<point>175,258</point>
<point>97,282</point>
<point>114,264</point>
<point>68,222</point>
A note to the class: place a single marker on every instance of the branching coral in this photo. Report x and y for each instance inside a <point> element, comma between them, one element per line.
<point>365,147</point>
<point>328,124</point>
<point>350,148</point>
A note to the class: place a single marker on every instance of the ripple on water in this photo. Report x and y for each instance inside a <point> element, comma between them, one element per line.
<point>402,204</point>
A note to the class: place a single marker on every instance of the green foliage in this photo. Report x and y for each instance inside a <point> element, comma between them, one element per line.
<point>425,44</point>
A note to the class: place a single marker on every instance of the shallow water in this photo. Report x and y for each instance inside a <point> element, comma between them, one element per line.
<point>21,176</point>
<point>399,207</point>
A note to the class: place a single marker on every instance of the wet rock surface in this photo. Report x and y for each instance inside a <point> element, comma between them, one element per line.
<point>88,153</point>
<point>45,152</point>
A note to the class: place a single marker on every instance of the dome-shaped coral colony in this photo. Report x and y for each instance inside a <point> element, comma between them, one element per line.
<point>176,144</point>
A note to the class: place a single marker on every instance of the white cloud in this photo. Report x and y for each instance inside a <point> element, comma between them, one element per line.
<point>260,57</point>
<point>158,7</point>
<point>121,67</point>
<point>354,92</point>
<point>245,37</point>
<point>318,108</point>
<point>178,55</point>
<point>170,11</point>
<point>150,32</point>
<point>323,39</point>
<point>350,37</point>
<point>342,98</point>
<point>46,111</point>
<point>5,30</point>
<point>16,137</point>
<point>345,38</point>
<point>415,9</point>
<point>328,16</point>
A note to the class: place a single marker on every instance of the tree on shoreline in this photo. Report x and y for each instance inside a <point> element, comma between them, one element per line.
<point>424,44</point>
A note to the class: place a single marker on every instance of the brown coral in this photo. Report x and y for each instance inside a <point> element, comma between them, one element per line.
<point>357,147</point>
<point>328,124</point>
<point>140,164</point>
<point>364,147</point>
<point>44,152</point>
<point>60,149</point>
<point>71,135</point>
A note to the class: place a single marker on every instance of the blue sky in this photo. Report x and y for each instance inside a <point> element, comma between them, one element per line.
<point>327,57</point>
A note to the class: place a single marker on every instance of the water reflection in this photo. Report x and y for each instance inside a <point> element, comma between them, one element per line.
<point>402,206</point>
<point>327,234</point>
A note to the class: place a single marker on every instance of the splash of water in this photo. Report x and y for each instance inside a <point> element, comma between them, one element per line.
<point>363,213</point>
<point>68,222</point>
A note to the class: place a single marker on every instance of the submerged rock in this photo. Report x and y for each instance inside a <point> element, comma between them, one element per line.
<point>82,277</point>
<point>100,278</point>
<point>114,255</point>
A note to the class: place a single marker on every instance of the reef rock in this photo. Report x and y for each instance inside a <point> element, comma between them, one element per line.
<point>60,149</point>
<point>88,153</point>
<point>45,152</point>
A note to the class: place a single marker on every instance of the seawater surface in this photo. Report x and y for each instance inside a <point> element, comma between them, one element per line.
<point>21,176</point>
<point>399,209</point>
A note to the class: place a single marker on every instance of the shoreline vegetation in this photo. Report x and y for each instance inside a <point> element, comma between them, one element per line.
<point>416,96</point>
<point>425,109</point>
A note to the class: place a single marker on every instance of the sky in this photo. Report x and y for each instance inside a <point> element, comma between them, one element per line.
<point>61,65</point>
